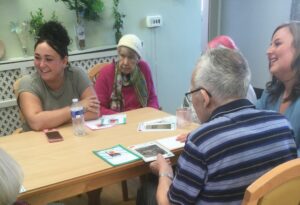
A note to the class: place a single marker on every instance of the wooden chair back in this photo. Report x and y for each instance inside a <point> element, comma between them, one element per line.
<point>95,70</point>
<point>16,86</point>
<point>281,185</point>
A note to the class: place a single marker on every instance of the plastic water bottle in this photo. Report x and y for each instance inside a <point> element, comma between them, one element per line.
<point>77,117</point>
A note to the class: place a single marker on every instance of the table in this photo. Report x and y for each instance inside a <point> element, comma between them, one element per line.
<point>55,171</point>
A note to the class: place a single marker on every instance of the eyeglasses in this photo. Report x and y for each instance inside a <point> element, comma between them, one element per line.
<point>188,95</point>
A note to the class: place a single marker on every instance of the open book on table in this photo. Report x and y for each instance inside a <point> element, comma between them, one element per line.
<point>118,155</point>
<point>106,121</point>
<point>161,124</point>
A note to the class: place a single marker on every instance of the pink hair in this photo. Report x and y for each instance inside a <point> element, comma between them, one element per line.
<point>222,40</point>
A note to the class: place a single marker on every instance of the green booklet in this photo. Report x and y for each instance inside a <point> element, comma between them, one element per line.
<point>117,155</point>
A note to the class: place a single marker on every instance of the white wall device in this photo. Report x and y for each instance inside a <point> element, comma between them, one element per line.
<point>154,21</point>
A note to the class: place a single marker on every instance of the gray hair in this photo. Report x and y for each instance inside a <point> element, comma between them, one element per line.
<point>224,73</point>
<point>11,178</point>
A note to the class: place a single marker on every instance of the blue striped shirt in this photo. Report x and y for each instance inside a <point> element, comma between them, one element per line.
<point>225,155</point>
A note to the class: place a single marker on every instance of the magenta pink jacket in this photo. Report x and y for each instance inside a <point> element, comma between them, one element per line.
<point>104,88</point>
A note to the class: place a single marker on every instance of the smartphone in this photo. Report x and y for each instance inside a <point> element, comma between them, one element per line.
<point>54,136</point>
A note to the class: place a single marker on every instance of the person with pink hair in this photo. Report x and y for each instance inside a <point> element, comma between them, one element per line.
<point>227,42</point>
<point>222,40</point>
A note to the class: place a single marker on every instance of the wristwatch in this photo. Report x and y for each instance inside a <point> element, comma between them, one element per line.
<point>166,174</point>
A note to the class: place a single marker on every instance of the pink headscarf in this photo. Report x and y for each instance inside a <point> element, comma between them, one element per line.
<point>222,40</point>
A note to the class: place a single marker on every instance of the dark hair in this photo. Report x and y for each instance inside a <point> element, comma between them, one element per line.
<point>56,37</point>
<point>276,87</point>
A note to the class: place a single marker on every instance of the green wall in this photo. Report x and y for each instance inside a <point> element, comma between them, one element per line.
<point>171,50</point>
<point>97,33</point>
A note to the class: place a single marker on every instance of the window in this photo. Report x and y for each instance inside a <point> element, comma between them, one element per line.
<point>295,10</point>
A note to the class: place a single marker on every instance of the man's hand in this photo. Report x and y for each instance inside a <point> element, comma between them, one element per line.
<point>182,138</point>
<point>163,168</point>
<point>161,165</point>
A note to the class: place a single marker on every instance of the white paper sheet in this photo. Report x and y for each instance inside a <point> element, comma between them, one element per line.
<point>106,121</point>
<point>171,143</point>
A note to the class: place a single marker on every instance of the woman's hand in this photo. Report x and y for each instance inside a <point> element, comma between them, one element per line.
<point>90,104</point>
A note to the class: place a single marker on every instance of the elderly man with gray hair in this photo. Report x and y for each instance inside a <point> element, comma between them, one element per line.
<point>235,144</point>
<point>11,178</point>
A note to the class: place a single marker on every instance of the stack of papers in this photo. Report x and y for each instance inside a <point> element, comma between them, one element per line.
<point>161,124</point>
<point>106,121</point>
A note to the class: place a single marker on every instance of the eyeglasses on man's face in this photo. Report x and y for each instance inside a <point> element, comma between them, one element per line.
<point>188,95</point>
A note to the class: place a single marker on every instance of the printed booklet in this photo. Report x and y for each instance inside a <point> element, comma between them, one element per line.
<point>161,124</point>
<point>106,121</point>
<point>117,155</point>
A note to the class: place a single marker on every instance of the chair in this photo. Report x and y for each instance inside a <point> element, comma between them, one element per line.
<point>278,186</point>
<point>94,71</point>
<point>15,90</point>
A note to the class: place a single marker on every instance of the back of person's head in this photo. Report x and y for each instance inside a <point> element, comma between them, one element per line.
<point>224,73</point>
<point>221,41</point>
<point>11,178</point>
<point>133,42</point>
<point>56,37</point>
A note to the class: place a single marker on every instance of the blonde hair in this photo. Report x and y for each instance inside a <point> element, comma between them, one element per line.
<point>11,178</point>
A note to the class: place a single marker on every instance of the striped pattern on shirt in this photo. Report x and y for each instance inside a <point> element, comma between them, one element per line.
<point>225,155</point>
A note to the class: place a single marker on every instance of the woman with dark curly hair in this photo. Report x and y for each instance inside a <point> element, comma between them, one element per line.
<point>282,93</point>
<point>45,96</point>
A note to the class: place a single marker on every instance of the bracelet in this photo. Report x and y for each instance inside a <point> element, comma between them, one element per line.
<point>164,174</point>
